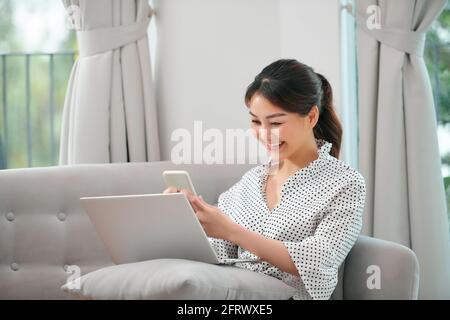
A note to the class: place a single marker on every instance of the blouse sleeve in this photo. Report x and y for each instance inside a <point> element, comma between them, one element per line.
<point>319,257</point>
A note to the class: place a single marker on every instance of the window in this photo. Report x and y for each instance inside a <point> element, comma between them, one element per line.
<point>37,50</point>
<point>349,84</point>
<point>437,58</point>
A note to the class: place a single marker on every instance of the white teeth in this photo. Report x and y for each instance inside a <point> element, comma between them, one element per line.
<point>273,146</point>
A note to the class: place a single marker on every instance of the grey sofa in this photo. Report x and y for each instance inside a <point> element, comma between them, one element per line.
<point>43,229</point>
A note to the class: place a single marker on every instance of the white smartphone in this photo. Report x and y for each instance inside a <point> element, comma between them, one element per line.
<point>179,179</point>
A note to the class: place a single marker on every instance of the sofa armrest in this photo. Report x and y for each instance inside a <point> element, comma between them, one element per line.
<point>379,269</point>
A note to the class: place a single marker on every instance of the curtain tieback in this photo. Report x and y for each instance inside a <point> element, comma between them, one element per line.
<point>412,42</point>
<point>97,41</point>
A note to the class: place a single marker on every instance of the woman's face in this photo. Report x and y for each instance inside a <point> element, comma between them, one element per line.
<point>281,131</point>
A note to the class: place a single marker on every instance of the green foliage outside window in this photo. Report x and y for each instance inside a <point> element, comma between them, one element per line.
<point>18,37</point>
<point>437,59</point>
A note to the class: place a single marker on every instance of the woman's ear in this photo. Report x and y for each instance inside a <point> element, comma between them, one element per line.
<point>313,116</point>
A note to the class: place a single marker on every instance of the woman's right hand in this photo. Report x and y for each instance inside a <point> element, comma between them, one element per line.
<point>171,190</point>
<point>189,195</point>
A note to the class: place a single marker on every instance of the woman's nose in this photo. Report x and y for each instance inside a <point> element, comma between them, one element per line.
<point>269,134</point>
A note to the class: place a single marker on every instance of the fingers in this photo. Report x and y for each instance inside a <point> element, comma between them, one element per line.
<point>196,209</point>
<point>200,203</point>
<point>204,203</point>
<point>190,196</point>
<point>194,201</point>
<point>170,190</point>
<point>197,202</point>
<point>187,192</point>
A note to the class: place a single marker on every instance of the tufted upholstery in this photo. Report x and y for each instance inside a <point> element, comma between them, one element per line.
<point>43,229</point>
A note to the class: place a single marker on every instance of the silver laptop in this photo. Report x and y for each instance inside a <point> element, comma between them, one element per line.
<point>151,226</point>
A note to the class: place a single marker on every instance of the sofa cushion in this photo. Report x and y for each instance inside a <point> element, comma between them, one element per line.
<point>177,279</point>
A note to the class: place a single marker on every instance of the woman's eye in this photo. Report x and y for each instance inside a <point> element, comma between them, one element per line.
<point>276,124</point>
<point>256,122</point>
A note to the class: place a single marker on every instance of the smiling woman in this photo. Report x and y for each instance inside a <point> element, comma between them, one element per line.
<point>293,87</point>
<point>301,215</point>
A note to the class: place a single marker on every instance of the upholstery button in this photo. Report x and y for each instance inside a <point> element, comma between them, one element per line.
<point>14,266</point>
<point>10,216</point>
<point>61,216</point>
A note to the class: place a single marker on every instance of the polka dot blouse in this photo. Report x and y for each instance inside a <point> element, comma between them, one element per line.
<point>318,218</point>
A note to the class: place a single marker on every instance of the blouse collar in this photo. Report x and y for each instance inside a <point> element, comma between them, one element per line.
<point>324,148</point>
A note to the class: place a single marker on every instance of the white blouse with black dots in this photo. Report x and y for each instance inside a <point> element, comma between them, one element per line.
<point>318,218</point>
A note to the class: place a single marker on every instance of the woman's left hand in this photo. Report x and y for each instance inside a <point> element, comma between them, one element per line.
<point>215,223</point>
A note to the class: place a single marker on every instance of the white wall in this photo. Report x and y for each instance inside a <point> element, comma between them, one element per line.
<point>208,51</point>
<point>309,32</point>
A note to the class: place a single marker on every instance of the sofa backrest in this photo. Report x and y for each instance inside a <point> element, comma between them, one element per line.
<point>45,235</point>
<point>44,231</point>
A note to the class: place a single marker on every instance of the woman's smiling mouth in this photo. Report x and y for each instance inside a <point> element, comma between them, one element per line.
<point>274,147</point>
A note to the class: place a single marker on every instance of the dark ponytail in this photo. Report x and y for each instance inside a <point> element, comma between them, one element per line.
<point>295,87</point>
<point>328,127</point>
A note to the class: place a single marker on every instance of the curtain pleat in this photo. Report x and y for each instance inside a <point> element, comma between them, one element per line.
<point>110,111</point>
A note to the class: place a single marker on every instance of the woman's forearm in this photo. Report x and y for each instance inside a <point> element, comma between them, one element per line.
<point>269,250</point>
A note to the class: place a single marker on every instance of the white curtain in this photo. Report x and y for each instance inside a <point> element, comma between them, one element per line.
<point>110,111</point>
<point>399,155</point>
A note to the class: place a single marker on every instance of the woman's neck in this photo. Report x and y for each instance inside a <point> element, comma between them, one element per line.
<point>302,158</point>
